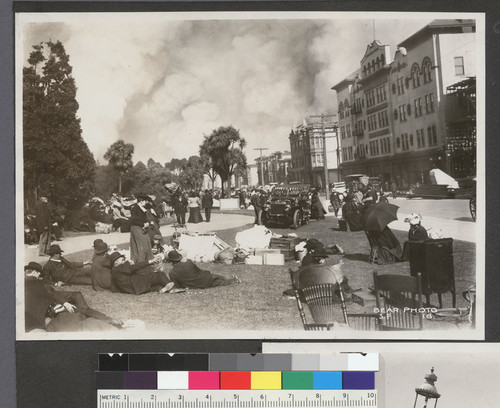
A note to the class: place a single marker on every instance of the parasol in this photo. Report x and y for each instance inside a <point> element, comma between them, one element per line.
<point>377,216</point>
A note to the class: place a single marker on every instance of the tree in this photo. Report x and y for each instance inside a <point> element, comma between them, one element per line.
<point>119,155</point>
<point>224,149</point>
<point>191,176</point>
<point>56,158</point>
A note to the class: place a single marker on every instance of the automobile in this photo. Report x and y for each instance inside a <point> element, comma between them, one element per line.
<point>288,205</point>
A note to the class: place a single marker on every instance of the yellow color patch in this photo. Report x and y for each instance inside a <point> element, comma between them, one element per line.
<point>266,380</point>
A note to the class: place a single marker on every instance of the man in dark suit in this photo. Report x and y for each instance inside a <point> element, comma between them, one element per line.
<point>180,206</point>
<point>137,279</point>
<point>59,269</point>
<point>44,223</point>
<point>207,202</point>
<point>47,309</point>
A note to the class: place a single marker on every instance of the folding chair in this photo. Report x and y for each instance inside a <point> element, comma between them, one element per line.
<point>399,299</point>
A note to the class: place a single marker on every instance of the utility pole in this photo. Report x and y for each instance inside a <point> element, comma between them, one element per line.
<point>261,164</point>
<point>325,162</point>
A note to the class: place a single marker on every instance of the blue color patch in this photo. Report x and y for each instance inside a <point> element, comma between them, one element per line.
<point>327,380</point>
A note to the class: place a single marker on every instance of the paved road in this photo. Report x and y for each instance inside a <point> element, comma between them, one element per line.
<point>451,216</point>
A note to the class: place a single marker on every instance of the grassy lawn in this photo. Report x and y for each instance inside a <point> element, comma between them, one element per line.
<point>258,303</point>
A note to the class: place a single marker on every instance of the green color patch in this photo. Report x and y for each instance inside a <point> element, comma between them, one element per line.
<point>297,380</point>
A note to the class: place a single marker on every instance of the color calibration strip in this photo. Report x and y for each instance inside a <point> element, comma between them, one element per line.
<point>239,362</point>
<point>236,380</point>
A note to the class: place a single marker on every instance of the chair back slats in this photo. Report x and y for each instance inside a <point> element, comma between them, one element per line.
<point>364,321</point>
<point>323,302</point>
<point>399,299</point>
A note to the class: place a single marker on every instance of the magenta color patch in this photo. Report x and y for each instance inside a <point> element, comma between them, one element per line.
<point>203,380</point>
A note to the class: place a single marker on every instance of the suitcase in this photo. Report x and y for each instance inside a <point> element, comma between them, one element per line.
<point>286,246</point>
<point>433,259</point>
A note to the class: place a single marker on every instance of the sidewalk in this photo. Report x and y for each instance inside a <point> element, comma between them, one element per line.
<point>83,242</point>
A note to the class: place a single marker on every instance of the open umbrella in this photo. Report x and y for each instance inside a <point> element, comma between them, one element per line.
<point>377,216</point>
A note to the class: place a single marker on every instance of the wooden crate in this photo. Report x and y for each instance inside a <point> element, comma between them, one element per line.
<point>286,246</point>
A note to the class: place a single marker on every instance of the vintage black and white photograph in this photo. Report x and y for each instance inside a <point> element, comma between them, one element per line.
<point>250,175</point>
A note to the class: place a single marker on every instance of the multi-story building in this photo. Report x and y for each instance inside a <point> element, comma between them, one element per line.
<point>397,108</point>
<point>307,152</point>
<point>276,168</point>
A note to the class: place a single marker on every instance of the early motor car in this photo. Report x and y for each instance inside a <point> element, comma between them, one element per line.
<point>288,205</point>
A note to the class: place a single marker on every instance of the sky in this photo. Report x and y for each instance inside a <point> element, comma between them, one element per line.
<point>162,82</point>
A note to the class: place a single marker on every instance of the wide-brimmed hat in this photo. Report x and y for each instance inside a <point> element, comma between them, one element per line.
<point>157,236</point>
<point>114,256</point>
<point>413,218</point>
<point>100,247</point>
<point>174,256</point>
<point>97,242</point>
<point>313,244</point>
<point>34,266</point>
<point>54,249</point>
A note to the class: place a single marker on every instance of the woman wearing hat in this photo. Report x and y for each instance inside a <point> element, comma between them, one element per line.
<point>140,243</point>
<point>100,271</point>
<point>416,233</point>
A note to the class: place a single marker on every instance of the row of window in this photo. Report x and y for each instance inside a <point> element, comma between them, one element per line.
<point>376,96</point>
<point>380,146</point>
<point>405,110</point>
<point>429,105</point>
<point>373,66</point>
<point>345,131</point>
<point>406,140</point>
<point>344,109</point>
<point>378,121</point>
<point>347,153</point>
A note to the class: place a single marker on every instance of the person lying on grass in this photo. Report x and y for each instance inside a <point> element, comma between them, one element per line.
<point>185,274</point>
<point>138,278</point>
<point>59,311</point>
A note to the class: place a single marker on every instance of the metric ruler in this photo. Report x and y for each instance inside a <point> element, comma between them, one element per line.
<point>236,398</point>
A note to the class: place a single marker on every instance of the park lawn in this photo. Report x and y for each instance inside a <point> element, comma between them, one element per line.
<point>258,302</point>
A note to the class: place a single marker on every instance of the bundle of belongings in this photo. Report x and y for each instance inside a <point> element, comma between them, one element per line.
<point>256,237</point>
<point>205,247</point>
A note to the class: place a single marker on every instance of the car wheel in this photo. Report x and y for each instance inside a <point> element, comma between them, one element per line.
<point>296,219</point>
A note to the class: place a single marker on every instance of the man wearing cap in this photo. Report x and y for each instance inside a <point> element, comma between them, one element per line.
<point>186,274</point>
<point>47,309</point>
<point>44,222</point>
<point>100,271</point>
<point>137,279</point>
<point>59,269</point>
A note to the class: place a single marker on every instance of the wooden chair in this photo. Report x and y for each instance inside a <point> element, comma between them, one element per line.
<point>398,299</point>
<point>323,302</point>
<point>373,248</point>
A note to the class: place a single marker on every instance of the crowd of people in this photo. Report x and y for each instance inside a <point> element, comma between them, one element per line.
<point>155,265</point>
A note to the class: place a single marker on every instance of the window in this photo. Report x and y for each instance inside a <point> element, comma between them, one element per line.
<point>429,103</point>
<point>415,76</point>
<point>459,66</point>
<point>402,113</point>
<point>348,131</point>
<point>401,88</point>
<point>427,70</point>
<point>341,110</point>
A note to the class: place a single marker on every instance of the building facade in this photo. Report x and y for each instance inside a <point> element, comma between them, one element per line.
<point>275,167</point>
<point>393,115</point>
<point>307,149</point>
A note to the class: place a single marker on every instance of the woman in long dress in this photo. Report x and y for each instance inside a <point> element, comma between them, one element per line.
<point>140,244</point>
<point>194,204</point>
